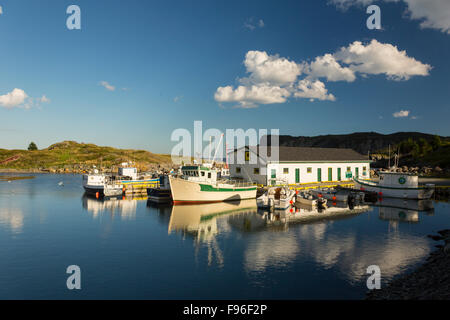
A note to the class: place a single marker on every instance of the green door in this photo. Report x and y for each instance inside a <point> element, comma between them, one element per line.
<point>297,175</point>
<point>357,172</point>
<point>273,176</point>
<point>330,174</point>
<point>339,174</point>
<point>319,174</point>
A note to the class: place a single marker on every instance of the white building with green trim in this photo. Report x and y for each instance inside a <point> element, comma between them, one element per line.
<point>296,165</point>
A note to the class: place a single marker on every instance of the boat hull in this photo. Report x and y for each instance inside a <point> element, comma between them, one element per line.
<point>184,192</point>
<point>94,189</point>
<point>159,195</point>
<point>394,192</point>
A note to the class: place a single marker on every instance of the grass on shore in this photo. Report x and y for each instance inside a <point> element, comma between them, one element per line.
<point>70,154</point>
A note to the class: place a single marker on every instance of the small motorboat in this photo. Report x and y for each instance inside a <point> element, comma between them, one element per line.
<point>113,190</point>
<point>331,194</point>
<point>278,198</point>
<point>309,199</point>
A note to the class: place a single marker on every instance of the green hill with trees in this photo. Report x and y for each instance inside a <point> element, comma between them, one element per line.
<point>70,156</point>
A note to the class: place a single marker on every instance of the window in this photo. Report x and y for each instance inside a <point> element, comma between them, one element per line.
<point>238,170</point>
<point>309,170</point>
<point>247,155</point>
<point>285,170</point>
<point>209,175</point>
<point>203,173</point>
<point>255,170</point>
<point>364,168</point>
<point>349,169</point>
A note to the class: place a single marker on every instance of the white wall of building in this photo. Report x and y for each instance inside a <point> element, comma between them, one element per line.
<point>264,177</point>
<point>311,175</point>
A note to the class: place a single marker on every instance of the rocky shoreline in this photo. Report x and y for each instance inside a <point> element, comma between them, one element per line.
<point>431,281</point>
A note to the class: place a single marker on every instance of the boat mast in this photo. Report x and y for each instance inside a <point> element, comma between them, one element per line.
<point>217,147</point>
<point>389,159</point>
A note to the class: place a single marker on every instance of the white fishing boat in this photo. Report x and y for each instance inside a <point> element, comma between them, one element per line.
<point>397,185</point>
<point>307,198</point>
<point>201,184</point>
<point>278,198</point>
<point>95,182</point>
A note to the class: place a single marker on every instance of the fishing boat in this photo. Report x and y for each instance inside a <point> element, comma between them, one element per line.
<point>199,183</point>
<point>397,185</point>
<point>95,182</point>
<point>307,198</point>
<point>278,198</point>
<point>160,194</point>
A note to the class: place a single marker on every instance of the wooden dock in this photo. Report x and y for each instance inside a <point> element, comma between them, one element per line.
<point>130,189</point>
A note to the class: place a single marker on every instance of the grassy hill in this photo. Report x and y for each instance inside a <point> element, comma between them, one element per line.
<point>76,157</point>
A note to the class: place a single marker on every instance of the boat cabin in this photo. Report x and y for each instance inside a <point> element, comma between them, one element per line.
<point>128,172</point>
<point>398,180</point>
<point>199,173</point>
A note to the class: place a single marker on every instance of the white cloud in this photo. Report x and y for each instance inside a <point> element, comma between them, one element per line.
<point>327,67</point>
<point>1,10</point>
<point>265,68</point>
<point>44,99</point>
<point>251,96</point>
<point>273,79</point>
<point>313,90</point>
<point>15,98</point>
<point>401,114</point>
<point>381,58</point>
<point>433,14</point>
<point>252,25</point>
<point>177,98</point>
<point>107,86</point>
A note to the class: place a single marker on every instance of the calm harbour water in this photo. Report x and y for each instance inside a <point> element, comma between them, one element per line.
<point>130,249</point>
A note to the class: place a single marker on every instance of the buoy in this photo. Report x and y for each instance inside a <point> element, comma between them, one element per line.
<point>380,194</point>
<point>96,195</point>
<point>320,195</point>
<point>296,191</point>
<point>292,210</point>
<point>333,198</point>
<point>291,202</point>
<point>334,203</point>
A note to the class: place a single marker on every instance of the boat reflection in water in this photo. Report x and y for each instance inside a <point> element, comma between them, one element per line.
<point>403,210</point>
<point>205,221</point>
<point>201,220</point>
<point>123,207</point>
<point>280,219</point>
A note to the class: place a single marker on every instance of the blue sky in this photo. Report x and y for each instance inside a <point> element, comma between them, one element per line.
<point>167,60</point>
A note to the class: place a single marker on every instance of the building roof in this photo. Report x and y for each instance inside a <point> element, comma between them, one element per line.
<point>312,154</point>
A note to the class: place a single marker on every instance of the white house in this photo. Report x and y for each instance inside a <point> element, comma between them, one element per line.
<point>295,165</point>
